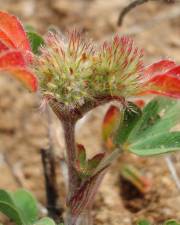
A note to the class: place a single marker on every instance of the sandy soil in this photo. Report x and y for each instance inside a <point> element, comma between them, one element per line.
<point>23,128</point>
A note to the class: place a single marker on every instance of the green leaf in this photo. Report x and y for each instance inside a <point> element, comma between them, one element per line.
<point>143,222</point>
<point>26,205</point>
<point>172,222</point>
<point>130,119</point>
<point>11,212</point>
<point>149,132</point>
<point>36,41</point>
<point>165,142</point>
<point>7,207</point>
<point>5,196</point>
<point>150,116</point>
<point>169,118</point>
<point>45,221</point>
<point>20,204</point>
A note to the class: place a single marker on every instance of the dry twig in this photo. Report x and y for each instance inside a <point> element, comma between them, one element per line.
<point>132,5</point>
<point>53,205</point>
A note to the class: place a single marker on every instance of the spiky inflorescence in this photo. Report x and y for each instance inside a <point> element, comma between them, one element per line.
<point>64,67</point>
<point>118,67</point>
<point>72,70</point>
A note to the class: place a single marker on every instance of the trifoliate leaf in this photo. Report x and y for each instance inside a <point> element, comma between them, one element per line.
<point>150,132</point>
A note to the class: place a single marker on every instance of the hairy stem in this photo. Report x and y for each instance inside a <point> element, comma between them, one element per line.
<point>84,218</point>
<point>69,115</point>
<point>69,135</point>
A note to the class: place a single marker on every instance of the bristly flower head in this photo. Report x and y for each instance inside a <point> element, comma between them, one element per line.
<point>65,66</point>
<point>117,68</point>
<point>72,70</point>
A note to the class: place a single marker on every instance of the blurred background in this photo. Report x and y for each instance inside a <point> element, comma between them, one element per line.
<point>155,27</point>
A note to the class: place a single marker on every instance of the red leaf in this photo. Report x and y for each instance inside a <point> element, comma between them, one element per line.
<point>11,58</point>
<point>4,38</point>
<point>3,47</point>
<point>161,66</point>
<point>25,76</point>
<point>12,28</point>
<point>174,71</point>
<point>166,84</point>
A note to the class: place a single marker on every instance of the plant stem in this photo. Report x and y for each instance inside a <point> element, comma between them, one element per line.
<point>69,115</point>
<point>69,135</point>
<point>84,218</point>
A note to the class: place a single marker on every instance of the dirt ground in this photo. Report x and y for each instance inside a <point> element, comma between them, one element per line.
<point>155,27</point>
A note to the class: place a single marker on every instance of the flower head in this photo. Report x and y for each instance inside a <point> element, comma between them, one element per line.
<point>118,68</point>
<point>64,67</point>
